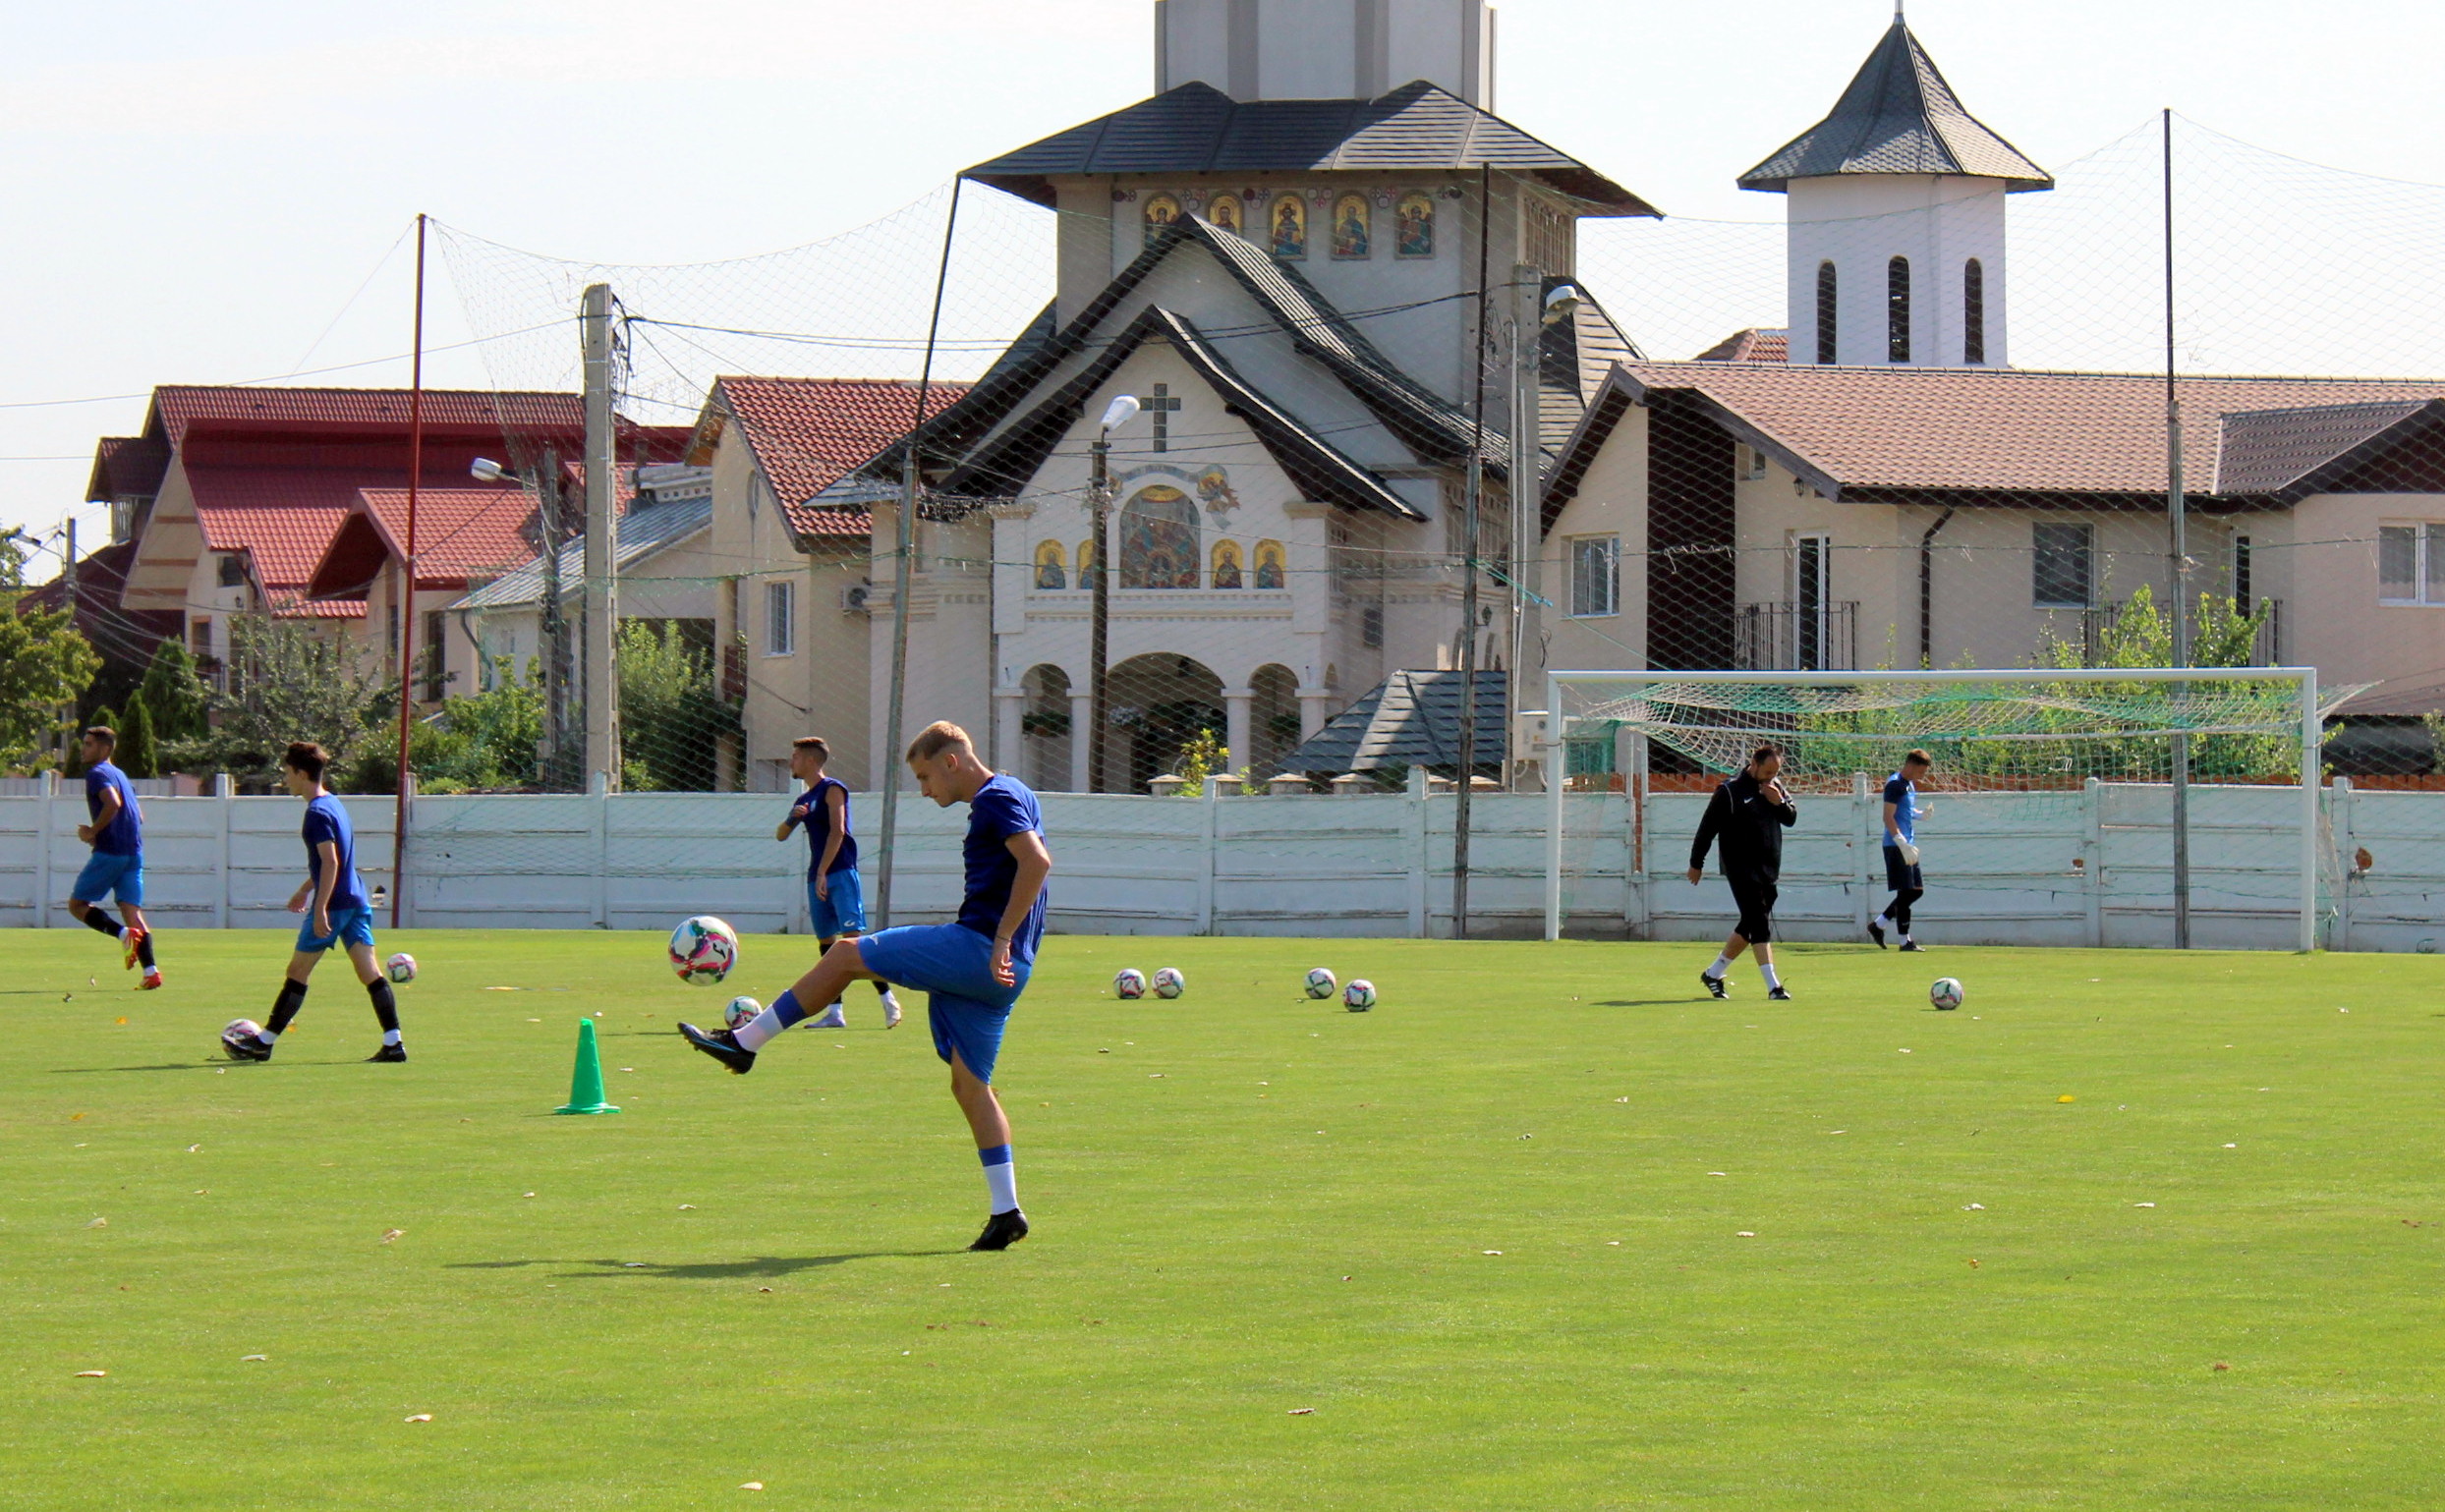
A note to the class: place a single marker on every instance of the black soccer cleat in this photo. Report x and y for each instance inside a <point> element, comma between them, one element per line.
<point>1714,984</point>
<point>1912,947</point>
<point>1001,1231</point>
<point>245,1047</point>
<point>723,1047</point>
<point>388,1055</point>
<point>1876,932</point>
<point>1779,995</point>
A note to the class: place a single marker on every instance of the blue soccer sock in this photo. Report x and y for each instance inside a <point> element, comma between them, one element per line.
<point>769,1025</point>
<point>1001,1178</point>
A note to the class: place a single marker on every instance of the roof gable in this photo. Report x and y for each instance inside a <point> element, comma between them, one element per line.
<point>1898,116</point>
<point>460,533</point>
<point>805,434</point>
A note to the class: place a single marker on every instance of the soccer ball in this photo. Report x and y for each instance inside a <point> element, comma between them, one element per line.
<point>400,968</point>
<point>1946,994</point>
<point>1169,982</point>
<point>241,1028</point>
<point>704,950</point>
<point>1359,995</point>
<point>741,1010</point>
<point>1321,983</point>
<point>1129,985</point>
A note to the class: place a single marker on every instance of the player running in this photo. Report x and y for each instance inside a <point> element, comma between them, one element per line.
<point>1748,814</point>
<point>335,909</point>
<point>972,970</point>
<point>116,869</point>
<point>1902,874</point>
<point>835,897</point>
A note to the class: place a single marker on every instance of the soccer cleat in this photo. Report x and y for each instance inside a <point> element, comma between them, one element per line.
<point>1876,932</point>
<point>131,939</point>
<point>721,1047</point>
<point>245,1047</point>
<point>1779,995</point>
<point>1912,947</point>
<point>890,1011</point>
<point>1715,985</point>
<point>152,982</point>
<point>834,1018</point>
<point>389,1055</point>
<point>1001,1231</point>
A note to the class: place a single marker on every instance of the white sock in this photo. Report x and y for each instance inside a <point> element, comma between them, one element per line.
<point>1766,970</point>
<point>1885,917</point>
<point>759,1031</point>
<point>267,1037</point>
<point>1001,1185</point>
<point>390,1037</point>
<point>1906,940</point>
<point>1722,964</point>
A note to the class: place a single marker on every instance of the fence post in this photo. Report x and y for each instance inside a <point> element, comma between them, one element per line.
<point>42,848</point>
<point>598,786</point>
<point>1866,848</point>
<point>2092,851</point>
<point>221,791</point>
<point>2341,801</point>
<point>1419,788</point>
<point>1642,915</point>
<point>1206,802</point>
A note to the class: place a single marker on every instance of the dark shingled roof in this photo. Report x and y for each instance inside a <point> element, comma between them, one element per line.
<point>1411,719</point>
<point>1198,128</point>
<point>2277,451</point>
<point>1898,116</point>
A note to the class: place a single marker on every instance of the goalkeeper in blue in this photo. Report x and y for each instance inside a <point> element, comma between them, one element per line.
<point>972,970</point>
<point>1902,874</point>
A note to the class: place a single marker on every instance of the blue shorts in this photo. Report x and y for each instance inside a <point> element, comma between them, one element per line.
<point>844,912</point>
<point>349,925</point>
<point>953,966</point>
<point>104,873</point>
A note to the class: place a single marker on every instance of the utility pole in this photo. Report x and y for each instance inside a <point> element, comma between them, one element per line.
<point>1526,569</point>
<point>1100,628</point>
<point>2178,578</point>
<point>1466,777</point>
<point>602,548</point>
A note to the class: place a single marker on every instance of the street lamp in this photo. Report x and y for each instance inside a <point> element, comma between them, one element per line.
<point>1100,637</point>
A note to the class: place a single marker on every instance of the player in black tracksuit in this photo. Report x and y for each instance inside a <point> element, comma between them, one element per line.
<point>1747,815</point>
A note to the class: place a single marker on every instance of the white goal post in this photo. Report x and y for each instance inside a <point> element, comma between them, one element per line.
<point>1620,689</point>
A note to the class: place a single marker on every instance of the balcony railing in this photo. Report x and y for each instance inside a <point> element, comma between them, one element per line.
<point>2266,651</point>
<point>1795,638</point>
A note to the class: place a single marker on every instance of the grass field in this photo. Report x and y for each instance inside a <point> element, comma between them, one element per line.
<point>1547,1230</point>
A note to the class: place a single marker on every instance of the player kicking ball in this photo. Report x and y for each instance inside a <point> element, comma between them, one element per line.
<point>1748,816</point>
<point>336,914</point>
<point>116,869</point>
<point>972,970</point>
<point>835,897</point>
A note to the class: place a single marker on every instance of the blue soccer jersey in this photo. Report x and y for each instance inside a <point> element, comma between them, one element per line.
<point>326,819</point>
<point>815,811</point>
<point>124,835</point>
<point>1002,809</point>
<point>1903,794</point>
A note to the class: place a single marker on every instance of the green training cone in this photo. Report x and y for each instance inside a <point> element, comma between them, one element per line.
<point>586,1081</point>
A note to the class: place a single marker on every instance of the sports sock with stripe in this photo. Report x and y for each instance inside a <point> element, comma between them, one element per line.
<point>385,1008</point>
<point>769,1026</point>
<point>1001,1178</point>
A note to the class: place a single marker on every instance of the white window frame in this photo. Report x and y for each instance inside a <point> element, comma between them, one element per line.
<point>1610,545</point>
<point>780,617</point>
<point>2427,564</point>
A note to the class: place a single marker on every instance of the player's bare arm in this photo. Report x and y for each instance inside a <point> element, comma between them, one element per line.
<point>836,801</point>
<point>1035,865</point>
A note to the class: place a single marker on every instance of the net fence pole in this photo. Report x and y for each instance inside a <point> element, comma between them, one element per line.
<point>1555,779</point>
<point>2312,768</point>
<point>888,769</point>
<point>2177,581</point>
<point>1466,776</point>
<point>407,608</point>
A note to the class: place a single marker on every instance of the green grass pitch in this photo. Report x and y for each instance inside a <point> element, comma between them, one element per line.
<point>1546,1230</point>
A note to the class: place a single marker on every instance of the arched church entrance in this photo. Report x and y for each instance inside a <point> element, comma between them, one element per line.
<point>1273,721</point>
<point>1044,730</point>
<point>1158,704</point>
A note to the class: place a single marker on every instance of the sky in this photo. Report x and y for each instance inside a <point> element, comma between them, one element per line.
<point>213,194</point>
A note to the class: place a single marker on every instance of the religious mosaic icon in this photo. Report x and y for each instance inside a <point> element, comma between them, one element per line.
<point>1086,564</point>
<point>1226,564</point>
<point>1230,212</point>
<point>1213,487</point>
<point>1272,564</point>
<point>1051,570</point>
<point>1158,540</point>
<point>1161,210</point>
<point>1289,227</point>
<point>1415,226</point>
<point>1351,242</point>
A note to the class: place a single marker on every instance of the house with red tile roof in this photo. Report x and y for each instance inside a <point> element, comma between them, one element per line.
<point>464,535</point>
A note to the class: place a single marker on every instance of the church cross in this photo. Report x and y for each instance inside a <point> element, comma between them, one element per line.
<point>1162,406</point>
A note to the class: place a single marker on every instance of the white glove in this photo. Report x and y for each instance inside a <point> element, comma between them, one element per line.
<point>1909,853</point>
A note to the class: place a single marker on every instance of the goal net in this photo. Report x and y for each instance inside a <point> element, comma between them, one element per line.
<point>2102,807</point>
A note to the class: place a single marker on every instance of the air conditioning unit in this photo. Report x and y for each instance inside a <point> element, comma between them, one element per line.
<point>857,598</point>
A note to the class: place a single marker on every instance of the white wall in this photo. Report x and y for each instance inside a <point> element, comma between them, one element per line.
<point>1861,222</point>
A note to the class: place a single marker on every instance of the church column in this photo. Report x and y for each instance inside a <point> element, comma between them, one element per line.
<point>1082,727</point>
<point>1239,725</point>
<point>1314,707</point>
<point>1009,709</point>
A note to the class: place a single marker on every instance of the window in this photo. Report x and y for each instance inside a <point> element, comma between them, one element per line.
<point>1595,577</point>
<point>780,618</point>
<point>2411,564</point>
<point>1974,313</point>
<point>1752,463</point>
<point>1898,310</point>
<point>1370,625</point>
<point>233,570</point>
<point>2064,561</point>
<point>1812,572</point>
<point>1828,327</point>
<point>2244,598</point>
<point>429,653</point>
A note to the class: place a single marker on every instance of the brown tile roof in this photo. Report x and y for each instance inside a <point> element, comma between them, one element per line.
<point>1757,344</point>
<point>460,534</point>
<point>809,433</point>
<point>282,517</point>
<point>126,466</point>
<point>176,408</point>
<point>2280,451</point>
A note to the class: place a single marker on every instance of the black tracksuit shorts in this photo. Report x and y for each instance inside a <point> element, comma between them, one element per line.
<point>1754,893</point>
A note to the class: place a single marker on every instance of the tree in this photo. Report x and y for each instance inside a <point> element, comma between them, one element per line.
<point>12,568</point>
<point>45,667</point>
<point>286,683</point>
<point>173,694</point>
<point>136,755</point>
<point>671,713</point>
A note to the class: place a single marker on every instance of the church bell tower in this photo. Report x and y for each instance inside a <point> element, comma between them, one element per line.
<point>1326,49</point>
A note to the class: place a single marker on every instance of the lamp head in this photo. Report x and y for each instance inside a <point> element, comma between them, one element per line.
<point>1561,303</point>
<point>486,470</point>
<point>1120,411</point>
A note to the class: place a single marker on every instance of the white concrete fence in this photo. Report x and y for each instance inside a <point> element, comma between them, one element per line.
<point>2084,866</point>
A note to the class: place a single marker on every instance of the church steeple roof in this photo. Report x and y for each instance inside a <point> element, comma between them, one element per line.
<point>1898,116</point>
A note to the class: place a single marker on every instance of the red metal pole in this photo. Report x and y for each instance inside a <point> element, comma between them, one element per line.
<point>407,604</point>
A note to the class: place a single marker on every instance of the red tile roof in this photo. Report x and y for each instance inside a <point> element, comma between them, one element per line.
<point>809,433</point>
<point>460,533</point>
<point>282,517</point>
<point>1757,344</point>
<point>175,408</point>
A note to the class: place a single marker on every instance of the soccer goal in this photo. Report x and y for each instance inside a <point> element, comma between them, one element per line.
<point>2078,805</point>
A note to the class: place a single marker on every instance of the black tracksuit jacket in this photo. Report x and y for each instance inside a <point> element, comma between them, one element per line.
<point>1751,828</point>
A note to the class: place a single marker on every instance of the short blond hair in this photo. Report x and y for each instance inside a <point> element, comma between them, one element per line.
<point>937,738</point>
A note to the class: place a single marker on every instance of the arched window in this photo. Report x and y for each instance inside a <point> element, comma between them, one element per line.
<point>1898,310</point>
<point>1051,570</point>
<point>1828,327</point>
<point>1974,312</point>
<point>1158,540</point>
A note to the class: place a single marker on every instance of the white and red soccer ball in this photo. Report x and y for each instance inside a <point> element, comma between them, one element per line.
<point>704,950</point>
